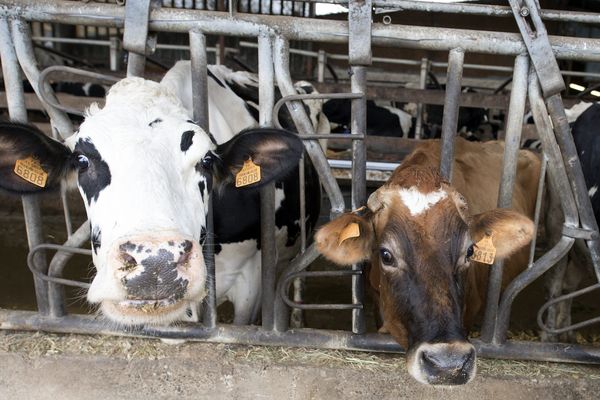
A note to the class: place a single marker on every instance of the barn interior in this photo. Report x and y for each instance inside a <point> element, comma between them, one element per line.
<point>399,76</point>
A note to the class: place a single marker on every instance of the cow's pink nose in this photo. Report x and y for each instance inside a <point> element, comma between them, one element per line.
<point>155,270</point>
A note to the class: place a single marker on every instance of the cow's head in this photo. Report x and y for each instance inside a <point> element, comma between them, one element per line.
<point>419,236</point>
<point>145,170</point>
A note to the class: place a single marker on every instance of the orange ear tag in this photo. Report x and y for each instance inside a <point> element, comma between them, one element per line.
<point>249,174</point>
<point>350,231</point>
<point>484,251</point>
<point>31,170</point>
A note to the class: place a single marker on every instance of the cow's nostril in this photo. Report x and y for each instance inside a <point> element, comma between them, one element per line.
<point>431,360</point>
<point>129,262</point>
<point>184,258</point>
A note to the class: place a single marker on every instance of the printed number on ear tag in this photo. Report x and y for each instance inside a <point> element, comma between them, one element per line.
<point>350,231</point>
<point>249,174</point>
<point>484,251</point>
<point>31,170</point>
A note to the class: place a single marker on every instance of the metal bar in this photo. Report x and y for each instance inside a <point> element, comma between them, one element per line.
<point>358,126</point>
<point>36,270</point>
<point>547,305</point>
<point>512,144</point>
<point>24,49</point>
<point>296,109</point>
<point>266,94</point>
<point>298,264</point>
<point>247,25</point>
<point>323,339</point>
<point>451,105</point>
<point>538,208</point>
<point>199,66</point>
<point>560,183</point>
<point>56,295</point>
<point>312,274</point>
<point>575,174</point>
<point>420,106</point>
<point>17,112</point>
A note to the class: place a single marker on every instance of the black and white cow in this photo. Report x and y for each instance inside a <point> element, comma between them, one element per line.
<point>567,275</point>
<point>145,169</point>
<point>381,120</point>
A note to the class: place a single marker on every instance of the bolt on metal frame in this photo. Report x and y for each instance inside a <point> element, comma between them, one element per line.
<point>274,34</point>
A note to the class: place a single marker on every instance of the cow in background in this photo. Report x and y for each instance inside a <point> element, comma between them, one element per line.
<point>421,235</point>
<point>567,275</point>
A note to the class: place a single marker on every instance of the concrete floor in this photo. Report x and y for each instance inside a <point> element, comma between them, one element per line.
<point>44,366</point>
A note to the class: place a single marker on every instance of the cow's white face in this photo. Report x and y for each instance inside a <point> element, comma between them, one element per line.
<point>144,171</point>
<point>144,192</point>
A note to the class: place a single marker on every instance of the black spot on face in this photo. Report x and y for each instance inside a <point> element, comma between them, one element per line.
<point>127,246</point>
<point>202,236</point>
<point>201,186</point>
<point>171,243</point>
<point>187,139</point>
<point>156,121</point>
<point>97,176</point>
<point>215,78</point>
<point>96,239</point>
<point>187,246</point>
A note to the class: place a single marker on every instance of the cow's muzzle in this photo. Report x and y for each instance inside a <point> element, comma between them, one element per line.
<point>443,363</point>
<point>157,277</point>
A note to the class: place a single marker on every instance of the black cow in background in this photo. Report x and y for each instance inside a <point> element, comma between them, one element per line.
<point>569,273</point>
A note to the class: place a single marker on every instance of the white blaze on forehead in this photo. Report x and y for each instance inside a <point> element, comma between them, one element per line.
<point>418,202</point>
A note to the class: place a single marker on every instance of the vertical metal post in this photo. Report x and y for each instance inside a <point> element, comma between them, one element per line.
<point>304,126</point>
<point>17,111</point>
<point>199,65</point>
<point>451,106</point>
<point>420,106</point>
<point>512,143</point>
<point>114,53</point>
<point>358,83</point>
<point>321,61</point>
<point>266,95</point>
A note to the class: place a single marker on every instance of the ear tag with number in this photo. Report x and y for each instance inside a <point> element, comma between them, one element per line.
<point>484,251</point>
<point>31,170</point>
<point>249,174</point>
<point>350,231</point>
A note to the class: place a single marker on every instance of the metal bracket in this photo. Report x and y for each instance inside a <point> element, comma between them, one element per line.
<point>579,233</point>
<point>359,32</point>
<point>536,40</point>
<point>579,325</point>
<point>135,35</point>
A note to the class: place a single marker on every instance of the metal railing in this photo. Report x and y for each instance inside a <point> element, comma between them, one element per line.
<point>273,34</point>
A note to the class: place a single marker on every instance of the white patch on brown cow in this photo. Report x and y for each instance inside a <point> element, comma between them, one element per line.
<point>418,202</point>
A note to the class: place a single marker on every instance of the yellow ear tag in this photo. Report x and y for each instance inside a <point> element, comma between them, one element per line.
<point>484,251</point>
<point>249,174</point>
<point>31,170</point>
<point>350,231</point>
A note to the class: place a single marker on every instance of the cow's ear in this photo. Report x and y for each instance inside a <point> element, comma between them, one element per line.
<point>30,161</point>
<point>508,229</point>
<point>347,239</point>
<point>264,154</point>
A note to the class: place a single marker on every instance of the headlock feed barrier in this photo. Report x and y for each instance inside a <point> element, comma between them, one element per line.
<point>536,78</point>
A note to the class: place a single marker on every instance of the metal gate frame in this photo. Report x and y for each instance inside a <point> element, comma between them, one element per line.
<point>274,33</point>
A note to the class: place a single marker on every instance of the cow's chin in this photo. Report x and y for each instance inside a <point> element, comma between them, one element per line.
<point>145,312</point>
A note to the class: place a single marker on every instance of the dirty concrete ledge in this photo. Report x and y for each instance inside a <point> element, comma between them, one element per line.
<point>47,366</point>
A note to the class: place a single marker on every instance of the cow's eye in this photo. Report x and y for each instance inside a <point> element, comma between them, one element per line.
<point>82,162</point>
<point>469,252</point>
<point>386,256</point>
<point>207,161</point>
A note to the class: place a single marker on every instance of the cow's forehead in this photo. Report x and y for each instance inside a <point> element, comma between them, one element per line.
<point>140,115</point>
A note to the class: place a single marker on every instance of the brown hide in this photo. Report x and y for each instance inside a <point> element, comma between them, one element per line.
<point>476,175</point>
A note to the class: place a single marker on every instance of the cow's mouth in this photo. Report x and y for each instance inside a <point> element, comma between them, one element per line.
<point>150,312</point>
<point>148,306</point>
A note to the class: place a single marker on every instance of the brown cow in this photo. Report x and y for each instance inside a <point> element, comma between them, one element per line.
<point>419,233</point>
